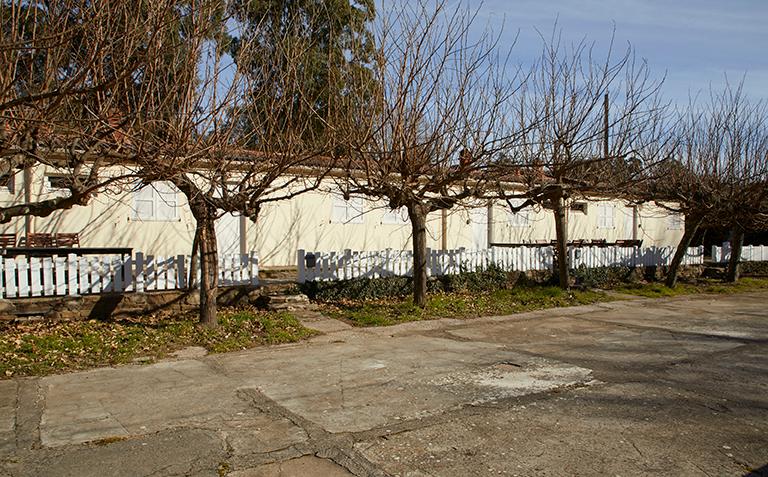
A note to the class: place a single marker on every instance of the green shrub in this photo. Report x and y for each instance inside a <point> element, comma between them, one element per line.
<point>358,289</point>
<point>604,276</point>
<point>758,269</point>
<point>493,278</point>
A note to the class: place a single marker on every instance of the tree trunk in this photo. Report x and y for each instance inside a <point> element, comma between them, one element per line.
<point>418,216</point>
<point>737,242</point>
<point>691,226</point>
<point>194,261</point>
<point>209,271</point>
<point>561,247</point>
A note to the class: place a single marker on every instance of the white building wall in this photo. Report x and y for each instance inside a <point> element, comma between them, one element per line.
<point>308,222</point>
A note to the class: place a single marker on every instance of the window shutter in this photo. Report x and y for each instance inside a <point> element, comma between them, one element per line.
<point>156,201</point>
<point>605,216</point>
<point>144,203</point>
<point>166,202</point>
<point>520,218</point>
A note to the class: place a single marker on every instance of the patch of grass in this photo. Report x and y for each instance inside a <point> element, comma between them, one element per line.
<point>658,290</point>
<point>33,349</point>
<point>461,305</point>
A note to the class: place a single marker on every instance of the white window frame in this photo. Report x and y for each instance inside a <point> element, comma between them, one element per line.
<point>676,222</point>
<point>158,199</point>
<point>347,211</point>
<point>521,218</point>
<point>395,217</point>
<point>606,216</point>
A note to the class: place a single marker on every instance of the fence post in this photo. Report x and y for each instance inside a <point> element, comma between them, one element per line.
<point>72,273</point>
<point>48,288</point>
<point>181,272</point>
<point>10,277</point>
<point>84,273</point>
<point>139,272</point>
<point>254,266</point>
<point>34,276</point>
<point>430,263</point>
<point>300,264</point>
<point>127,266</point>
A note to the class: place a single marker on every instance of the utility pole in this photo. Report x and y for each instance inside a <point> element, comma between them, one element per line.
<point>605,127</point>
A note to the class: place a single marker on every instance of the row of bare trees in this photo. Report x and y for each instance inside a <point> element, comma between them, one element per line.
<point>248,103</point>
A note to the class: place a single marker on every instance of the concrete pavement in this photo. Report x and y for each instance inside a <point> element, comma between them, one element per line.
<point>643,387</point>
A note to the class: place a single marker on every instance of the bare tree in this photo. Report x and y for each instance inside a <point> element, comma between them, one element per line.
<point>593,125</point>
<point>77,78</point>
<point>718,176</point>
<point>435,117</point>
<point>248,133</point>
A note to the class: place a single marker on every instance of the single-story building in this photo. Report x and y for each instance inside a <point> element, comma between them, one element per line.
<point>155,219</point>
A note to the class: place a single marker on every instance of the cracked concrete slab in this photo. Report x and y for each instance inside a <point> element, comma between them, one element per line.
<point>591,431</point>
<point>167,453</point>
<point>307,466</point>
<point>654,387</point>
<point>709,316</point>
<point>136,400</point>
<point>407,375</point>
<point>8,391</point>
<point>261,434</point>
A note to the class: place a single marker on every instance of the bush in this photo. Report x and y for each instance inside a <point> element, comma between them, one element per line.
<point>604,277</point>
<point>757,269</point>
<point>358,289</point>
<point>494,278</point>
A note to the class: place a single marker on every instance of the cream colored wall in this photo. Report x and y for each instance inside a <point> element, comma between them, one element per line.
<point>107,221</point>
<point>657,228</point>
<point>654,225</point>
<point>305,222</point>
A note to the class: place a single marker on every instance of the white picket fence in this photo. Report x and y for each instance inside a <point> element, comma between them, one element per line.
<point>598,257</point>
<point>22,277</point>
<point>749,253</point>
<point>330,266</point>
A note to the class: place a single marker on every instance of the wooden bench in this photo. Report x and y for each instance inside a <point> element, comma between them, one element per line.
<point>7,240</point>
<point>629,243</point>
<point>66,240</point>
<point>36,240</point>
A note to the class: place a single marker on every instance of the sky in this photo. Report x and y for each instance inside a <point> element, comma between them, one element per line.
<point>695,43</point>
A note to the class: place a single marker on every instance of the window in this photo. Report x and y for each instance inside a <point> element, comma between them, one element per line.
<point>395,217</point>
<point>579,207</point>
<point>676,222</point>
<point>347,211</point>
<point>61,182</point>
<point>156,201</point>
<point>7,183</point>
<point>605,216</point>
<point>522,217</point>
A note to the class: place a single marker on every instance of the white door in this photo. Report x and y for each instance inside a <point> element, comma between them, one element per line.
<point>479,222</point>
<point>228,234</point>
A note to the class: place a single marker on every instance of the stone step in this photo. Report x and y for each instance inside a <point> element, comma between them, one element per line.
<point>277,287</point>
<point>287,302</point>
<point>286,273</point>
<point>295,299</point>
